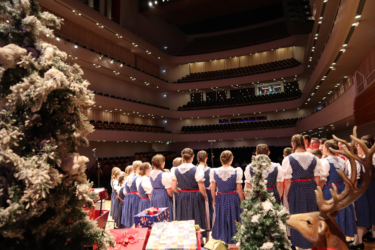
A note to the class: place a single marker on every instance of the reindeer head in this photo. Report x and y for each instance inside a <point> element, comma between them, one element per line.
<point>321,228</point>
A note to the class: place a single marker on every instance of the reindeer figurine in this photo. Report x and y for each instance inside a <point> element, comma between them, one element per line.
<point>321,228</point>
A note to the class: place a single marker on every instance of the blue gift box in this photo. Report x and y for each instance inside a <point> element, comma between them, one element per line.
<point>143,219</point>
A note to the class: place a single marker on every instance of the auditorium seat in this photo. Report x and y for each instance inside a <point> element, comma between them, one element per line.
<point>235,40</point>
<point>240,126</point>
<point>128,127</point>
<point>130,100</point>
<point>242,71</point>
<point>242,101</point>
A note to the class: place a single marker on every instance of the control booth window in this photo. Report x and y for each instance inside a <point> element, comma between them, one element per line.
<point>269,89</point>
<point>196,97</point>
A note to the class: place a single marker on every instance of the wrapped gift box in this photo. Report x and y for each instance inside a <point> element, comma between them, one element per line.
<point>143,219</point>
<point>138,238</point>
<point>179,235</point>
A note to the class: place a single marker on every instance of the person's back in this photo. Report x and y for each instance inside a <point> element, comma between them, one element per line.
<point>227,200</point>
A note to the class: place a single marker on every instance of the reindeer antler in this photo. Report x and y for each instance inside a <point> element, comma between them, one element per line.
<point>350,193</point>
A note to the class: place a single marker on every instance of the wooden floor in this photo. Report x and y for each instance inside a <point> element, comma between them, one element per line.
<point>110,224</point>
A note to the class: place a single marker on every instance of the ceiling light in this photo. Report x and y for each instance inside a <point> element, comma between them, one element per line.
<point>357,16</point>
<point>344,45</point>
<point>320,22</point>
<point>76,45</point>
<point>355,24</point>
<point>150,4</point>
<point>57,38</point>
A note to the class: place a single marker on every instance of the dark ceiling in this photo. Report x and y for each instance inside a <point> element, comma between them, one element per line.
<point>205,16</point>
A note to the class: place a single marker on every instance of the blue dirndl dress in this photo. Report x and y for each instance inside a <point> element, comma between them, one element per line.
<point>302,197</point>
<point>113,196</point>
<point>145,201</point>
<point>118,218</point>
<point>227,210</point>
<point>362,207</point>
<point>271,183</point>
<point>190,201</point>
<point>159,195</point>
<point>175,195</point>
<point>345,217</point>
<point>370,192</point>
<point>125,208</point>
<point>208,192</point>
<point>115,204</point>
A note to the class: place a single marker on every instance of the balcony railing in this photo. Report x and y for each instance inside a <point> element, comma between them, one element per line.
<point>365,83</point>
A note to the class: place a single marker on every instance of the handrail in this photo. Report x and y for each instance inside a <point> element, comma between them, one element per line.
<point>366,82</point>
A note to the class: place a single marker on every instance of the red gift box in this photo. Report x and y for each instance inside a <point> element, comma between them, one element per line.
<point>136,238</point>
<point>95,215</point>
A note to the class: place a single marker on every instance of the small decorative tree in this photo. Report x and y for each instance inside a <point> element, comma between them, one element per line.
<point>263,221</point>
<point>43,186</point>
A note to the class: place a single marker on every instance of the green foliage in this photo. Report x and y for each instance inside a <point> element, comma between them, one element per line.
<point>43,186</point>
<point>263,221</point>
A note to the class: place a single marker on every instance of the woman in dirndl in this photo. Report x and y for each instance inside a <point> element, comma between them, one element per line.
<point>202,157</point>
<point>274,176</point>
<point>227,200</point>
<point>144,186</point>
<point>345,217</point>
<point>161,195</point>
<point>119,201</point>
<point>133,202</point>
<point>192,192</point>
<point>114,181</point>
<point>125,205</point>
<point>302,175</point>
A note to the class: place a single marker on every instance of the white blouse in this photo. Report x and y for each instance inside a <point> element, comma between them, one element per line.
<point>146,184</point>
<point>165,177</point>
<point>358,166</point>
<point>337,162</point>
<point>304,159</point>
<point>271,168</point>
<point>130,179</point>
<point>225,173</point>
<point>199,174</point>
<point>114,183</point>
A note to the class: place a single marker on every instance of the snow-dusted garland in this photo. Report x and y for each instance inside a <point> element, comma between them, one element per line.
<point>263,222</point>
<point>41,126</point>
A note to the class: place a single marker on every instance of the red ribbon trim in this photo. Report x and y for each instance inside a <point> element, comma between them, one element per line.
<point>323,248</point>
<point>334,183</point>
<point>228,193</point>
<point>272,187</point>
<point>133,193</point>
<point>144,198</point>
<point>303,179</point>
<point>189,191</point>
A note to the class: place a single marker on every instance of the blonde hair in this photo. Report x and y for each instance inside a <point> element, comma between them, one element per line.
<point>167,170</point>
<point>128,169</point>
<point>136,165</point>
<point>262,149</point>
<point>157,161</point>
<point>143,168</point>
<point>225,157</point>
<point>187,154</point>
<point>201,156</point>
<point>177,162</point>
<point>299,142</point>
<point>115,169</point>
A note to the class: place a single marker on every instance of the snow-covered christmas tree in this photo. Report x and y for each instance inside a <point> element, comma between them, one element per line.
<point>263,221</point>
<point>43,186</point>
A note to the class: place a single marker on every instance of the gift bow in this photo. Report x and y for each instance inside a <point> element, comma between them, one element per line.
<point>152,210</point>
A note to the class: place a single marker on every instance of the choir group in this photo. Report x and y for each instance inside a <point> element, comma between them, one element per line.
<point>212,197</point>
